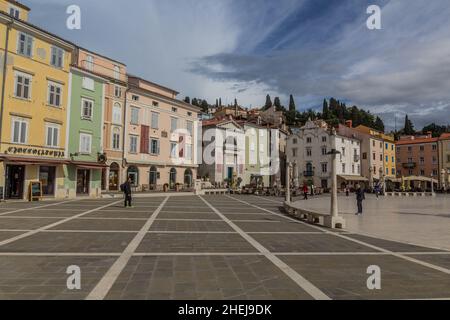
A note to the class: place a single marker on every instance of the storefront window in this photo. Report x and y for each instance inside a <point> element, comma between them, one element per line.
<point>47,177</point>
<point>133,174</point>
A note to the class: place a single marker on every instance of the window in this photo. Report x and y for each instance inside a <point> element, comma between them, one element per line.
<point>448,158</point>
<point>353,169</point>
<point>308,140</point>
<point>381,145</point>
<point>54,94</point>
<point>52,139</point>
<point>359,169</point>
<point>173,150</point>
<point>20,131</point>
<point>294,141</point>
<point>324,167</point>
<point>422,172</point>
<point>381,157</point>
<point>410,172</point>
<point>23,85</point>
<point>134,116</point>
<point>364,156</point>
<point>133,144</point>
<point>324,139</point>
<point>86,109</point>
<point>117,92</point>
<point>294,152</point>
<point>173,124</point>
<point>308,152</point>
<point>435,173</point>
<point>189,114</point>
<point>409,149</point>
<point>422,160</point>
<point>387,171</point>
<point>393,159</point>
<point>387,158</point>
<point>57,57</point>
<point>190,127</point>
<point>373,143</point>
<point>188,151</point>
<point>393,172</point>
<point>343,168</point>
<point>174,109</point>
<point>135,98</point>
<point>14,12</point>
<point>154,147</point>
<point>324,151</point>
<point>434,147</point>
<point>116,139</point>
<point>117,114</point>
<point>343,152</point>
<point>88,83</point>
<point>375,170</point>
<point>422,148</point>
<point>25,45</point>
<point>155,120</point>
<point>374,156</point>
<point>434,160</point>
<point>387,146</point>
<point>85,143</point>
<point>90,63</point>
<point>155,104</point>
<point>116,72</point>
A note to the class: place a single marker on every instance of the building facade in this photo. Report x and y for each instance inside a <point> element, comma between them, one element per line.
<point>161,137</point>
<point>113,112</point>
<point>418,156</point>
<point>257,155</point>
<point>444,161</point>
<point>85,138</point>
<point>223,151</point>
<point>309,151</point>
<point>34,106</point>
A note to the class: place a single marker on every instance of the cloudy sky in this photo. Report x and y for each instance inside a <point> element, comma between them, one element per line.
<point>248,48</point>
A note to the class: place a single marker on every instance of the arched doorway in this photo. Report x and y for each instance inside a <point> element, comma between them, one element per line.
<point>153,178</point>
<point>113,179</point>
<point>172,178</point>
<point>133,174</point>
<point>188,178</point>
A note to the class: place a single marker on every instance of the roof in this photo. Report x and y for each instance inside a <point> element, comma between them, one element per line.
<point>18,4</point>
<point>444,136</point>
<point>153,84</point>
<point>416,141</point>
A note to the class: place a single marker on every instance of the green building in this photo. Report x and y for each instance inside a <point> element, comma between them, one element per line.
<point>85,134</point>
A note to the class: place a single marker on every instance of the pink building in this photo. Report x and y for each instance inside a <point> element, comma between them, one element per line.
<point>161,134</point>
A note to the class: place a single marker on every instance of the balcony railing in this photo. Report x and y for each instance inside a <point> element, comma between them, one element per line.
<point>308,173</point>
<point>409,165</point>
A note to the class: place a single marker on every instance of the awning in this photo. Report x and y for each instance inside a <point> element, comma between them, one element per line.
<point>88,165</point>
<point>353,178</point>
<point>31,160</point>
<point>419,178</point>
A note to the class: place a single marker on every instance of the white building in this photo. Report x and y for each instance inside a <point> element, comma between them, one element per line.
<point>308,151</point>
<point>223,151</point>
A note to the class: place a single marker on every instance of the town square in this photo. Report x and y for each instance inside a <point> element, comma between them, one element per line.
<point>295,163</point>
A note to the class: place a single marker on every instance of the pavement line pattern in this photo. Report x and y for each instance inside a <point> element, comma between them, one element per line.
<point>52,225</point>
<point>367,234</point>
<point>307,286</point>
<point>105,284</point>
<point>38,207</point>
<point>398,255</point>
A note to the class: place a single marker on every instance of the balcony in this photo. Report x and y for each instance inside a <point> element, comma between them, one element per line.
<point>356,158</point>
<point>409,165</point>
<point>308,173</point>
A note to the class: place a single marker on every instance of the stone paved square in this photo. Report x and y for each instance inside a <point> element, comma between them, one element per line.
<point>190,252</point>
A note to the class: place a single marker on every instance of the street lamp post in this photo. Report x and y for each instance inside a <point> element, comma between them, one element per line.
<point>334,220</point>
<point>288,181</point>
<point>432,184</point>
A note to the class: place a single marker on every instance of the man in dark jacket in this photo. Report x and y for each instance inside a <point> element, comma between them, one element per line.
<point>360,197</point>
<point>126,188</point>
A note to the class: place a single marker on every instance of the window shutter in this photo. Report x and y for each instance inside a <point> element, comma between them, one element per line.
<point>145,135</point>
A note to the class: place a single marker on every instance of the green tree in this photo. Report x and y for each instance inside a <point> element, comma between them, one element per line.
<point>187,100</point>
<point>325,110</point>
<point>409,127</point>
<point>268,104</point>
<point>292,106</point>
<point>379,125</point>
<point>204,105</point>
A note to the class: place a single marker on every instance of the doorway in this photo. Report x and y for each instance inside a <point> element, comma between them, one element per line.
<point>15,177</point>
<point>47,178</point>
<point>83,180</point>
<point>114,177</point>
<point>230,173</point>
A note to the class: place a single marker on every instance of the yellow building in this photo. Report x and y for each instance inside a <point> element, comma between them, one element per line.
<point>390,169</point>
<point>34,93</point>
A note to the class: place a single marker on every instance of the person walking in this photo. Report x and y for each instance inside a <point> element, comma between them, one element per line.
<point>360,197</point>
<point>305,192</point>
<point>126,189</point>
<point>347,191</point>
<point>312,190</point>
<point>377,190</point>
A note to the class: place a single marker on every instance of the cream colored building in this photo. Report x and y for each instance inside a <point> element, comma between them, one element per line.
<point>160,137</point>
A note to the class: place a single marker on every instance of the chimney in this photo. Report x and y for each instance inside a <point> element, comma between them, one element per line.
<point>429,134</point>
<point>349,123</point>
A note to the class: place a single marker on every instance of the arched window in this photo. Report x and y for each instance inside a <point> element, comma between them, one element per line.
<point>188,178</point>
<point>117,113</point>
<point>113,178</point>
<point>173,177</point>
<point>153,179</point>
<point>133,174</point>
<point>115,138</point>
